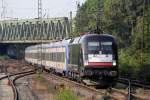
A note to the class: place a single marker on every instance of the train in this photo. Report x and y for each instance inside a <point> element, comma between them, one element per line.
<point>88,57</point>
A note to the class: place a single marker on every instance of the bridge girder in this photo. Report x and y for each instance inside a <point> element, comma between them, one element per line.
<point>34,30</point>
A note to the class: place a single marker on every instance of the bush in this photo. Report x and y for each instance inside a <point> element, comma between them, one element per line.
<point>132,66</point>
<point>4,57</point>
<point>66,94</point>
<point>127,64</point>
<point>145,69</point>
<point>143,74</point>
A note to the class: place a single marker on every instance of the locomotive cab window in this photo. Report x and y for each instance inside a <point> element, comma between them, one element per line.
<point>106,47</point>
<point>93,45</point>
<point>100,47</point>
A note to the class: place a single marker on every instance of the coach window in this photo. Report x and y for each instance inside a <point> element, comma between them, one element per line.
<point>54,56</point>
<point>58,56</point>
<point>51,57</point>
<point>35,55</point>
<point>42,56</point>
<point>31,55</point>
<point>63,59</point>
<point>48,56</point>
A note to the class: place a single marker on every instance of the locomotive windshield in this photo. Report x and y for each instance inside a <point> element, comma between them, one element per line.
<point>100,47</point>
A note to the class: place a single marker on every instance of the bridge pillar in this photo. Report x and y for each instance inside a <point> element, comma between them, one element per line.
<point>3,49</point>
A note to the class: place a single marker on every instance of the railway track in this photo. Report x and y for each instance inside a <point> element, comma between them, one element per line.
<point>130,96</point>
<point>132,86</point>
<point>11,81</point>
<point>134,83</point>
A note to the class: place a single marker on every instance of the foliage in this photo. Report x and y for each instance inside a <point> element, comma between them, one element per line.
<point>66,94</point>
<point>3,57</point>
<point>133,66</point>
<point>127,63</point>
<point>39,76</point>
<point>86,17</point>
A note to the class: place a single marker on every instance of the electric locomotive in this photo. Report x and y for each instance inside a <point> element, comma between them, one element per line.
<point>91,56</point>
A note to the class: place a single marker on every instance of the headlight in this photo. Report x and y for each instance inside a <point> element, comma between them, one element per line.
<point>114,63</point>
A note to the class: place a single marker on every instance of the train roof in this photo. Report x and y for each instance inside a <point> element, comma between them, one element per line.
<point>85,36</point>
<point>100,35</point>
<point>53,44</point>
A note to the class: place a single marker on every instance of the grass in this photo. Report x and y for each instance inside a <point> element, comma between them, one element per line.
<point>4,57</point>
<point>106,97</point>
<point>66,94</point>
<point>140,91</point>
<point>39,76</point>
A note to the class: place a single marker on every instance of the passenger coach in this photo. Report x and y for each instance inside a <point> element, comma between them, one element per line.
<point>54,56</point>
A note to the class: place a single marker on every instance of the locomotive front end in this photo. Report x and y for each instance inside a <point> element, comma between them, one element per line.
<point>100,57</point>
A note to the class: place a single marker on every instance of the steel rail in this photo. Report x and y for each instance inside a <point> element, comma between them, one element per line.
<point>134,83</point>
<point>12,81</point>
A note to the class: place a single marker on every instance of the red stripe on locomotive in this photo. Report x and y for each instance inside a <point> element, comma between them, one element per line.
<point>101,63</point>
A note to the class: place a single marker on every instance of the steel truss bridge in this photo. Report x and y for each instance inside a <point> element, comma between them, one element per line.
<point>34,30</point>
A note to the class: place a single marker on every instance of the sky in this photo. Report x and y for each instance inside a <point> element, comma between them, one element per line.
<point>26,9</point>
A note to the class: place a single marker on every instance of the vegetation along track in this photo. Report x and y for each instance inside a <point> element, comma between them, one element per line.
<point>13,77</point>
